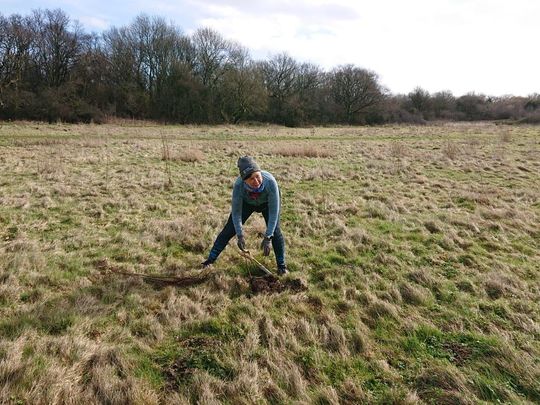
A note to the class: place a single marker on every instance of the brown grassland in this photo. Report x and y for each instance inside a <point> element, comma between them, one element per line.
<point>419,247</point>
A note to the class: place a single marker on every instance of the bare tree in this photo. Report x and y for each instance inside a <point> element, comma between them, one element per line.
<point>212,54</point>
<point>15,45</point>
<point>142,57</point>
<point>242,93</point>
<point>420,102</point>
<point>310,93</point>
<point>355,90</point>
<point>279,74</point>
<point>443,104</point>
<point>57,48</point>
<point>473,106</point>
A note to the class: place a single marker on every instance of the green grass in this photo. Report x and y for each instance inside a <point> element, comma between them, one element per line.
<point>421,265</point>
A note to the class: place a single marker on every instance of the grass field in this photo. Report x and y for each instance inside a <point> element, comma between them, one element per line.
<point>419,247</point>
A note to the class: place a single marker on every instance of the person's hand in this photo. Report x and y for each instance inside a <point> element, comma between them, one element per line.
<point>241,243</point>
<point>207,263</point>
<point>265,245</point>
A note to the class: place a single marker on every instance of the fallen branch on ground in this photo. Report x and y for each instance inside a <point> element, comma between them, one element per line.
<point>164,279</point>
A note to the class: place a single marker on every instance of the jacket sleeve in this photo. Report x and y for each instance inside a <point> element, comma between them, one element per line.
<point>273,208</point>
<point>236,208</point>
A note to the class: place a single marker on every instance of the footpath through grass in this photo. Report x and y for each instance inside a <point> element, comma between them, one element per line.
<point>419,247</point>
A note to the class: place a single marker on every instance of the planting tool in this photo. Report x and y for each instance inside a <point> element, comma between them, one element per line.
<point>249,256</point>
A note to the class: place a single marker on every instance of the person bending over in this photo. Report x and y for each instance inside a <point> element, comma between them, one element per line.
<point>254,190</point>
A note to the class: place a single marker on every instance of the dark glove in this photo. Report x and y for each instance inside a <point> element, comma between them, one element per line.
<point>265,245</point>
<point>207,263</point>
<point>241,242</point>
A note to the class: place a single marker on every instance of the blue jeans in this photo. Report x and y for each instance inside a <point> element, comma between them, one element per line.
<point>278,242</point>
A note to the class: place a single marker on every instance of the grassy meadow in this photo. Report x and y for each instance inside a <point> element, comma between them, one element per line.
<point>419,247</point>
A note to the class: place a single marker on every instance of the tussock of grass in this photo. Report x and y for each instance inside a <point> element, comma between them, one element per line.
<point>414,295</point>
<point>398,149</point>
<point>186,232</point>
<point>451,150</point>
<point>352,393</point>
<point>380,309</point>
<point>190,155</point>
<point>302,151</point>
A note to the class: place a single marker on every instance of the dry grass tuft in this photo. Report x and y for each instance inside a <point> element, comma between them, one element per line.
<point>437,379</point>
<point>106,376</point>
<point>451,150</point>
<point>398,149</point>
<point>423,277</point>
<point>380,309</point>
<point>433,227</point>
<point>247,385</point>
<point>495,288</point>
<point>291,377</point>
<point>267,332</point>
<point>322,173</point>
<point>505,136</point>
<point>377,209</point>
<point>190,155</point>
<point>413,295</point>
<point>185,231</point>
<point>305,331</point>
<point>12,365</point>
<point>327,396</point>
<point>206,388</point>
<point>311,151</point>
<point>24,256</point>
<point>335,339</point>
<point>466,286</point>
<point>273,393</point>
<point>351,393</point>
<point>359,342</point>
<point>498,285</point>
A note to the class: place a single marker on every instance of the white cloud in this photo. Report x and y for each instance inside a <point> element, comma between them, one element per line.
<point>94,23</point>
<point>477,45</point>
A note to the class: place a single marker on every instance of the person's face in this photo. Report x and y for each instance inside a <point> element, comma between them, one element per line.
<point>255,180</point>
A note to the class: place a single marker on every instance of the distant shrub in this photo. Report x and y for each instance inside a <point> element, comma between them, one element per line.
<point>533,118</point>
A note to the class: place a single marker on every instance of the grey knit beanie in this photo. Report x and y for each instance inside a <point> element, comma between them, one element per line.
<point>247,165</point>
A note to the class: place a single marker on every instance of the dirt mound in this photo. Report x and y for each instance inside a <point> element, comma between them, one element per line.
<point>271,284</point>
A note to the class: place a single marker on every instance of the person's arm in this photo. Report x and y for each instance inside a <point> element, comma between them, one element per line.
<point>236,208</point>
<point>273,208</point>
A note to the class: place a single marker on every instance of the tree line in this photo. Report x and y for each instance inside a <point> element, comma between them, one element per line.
<point>51,69</point>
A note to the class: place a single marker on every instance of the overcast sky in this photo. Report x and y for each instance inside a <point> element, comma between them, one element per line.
<point>485,46</point>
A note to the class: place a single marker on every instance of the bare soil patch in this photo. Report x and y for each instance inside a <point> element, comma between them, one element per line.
<point>271,284</point>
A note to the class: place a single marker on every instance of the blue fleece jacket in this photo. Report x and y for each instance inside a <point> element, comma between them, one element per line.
<point>269,195</point>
